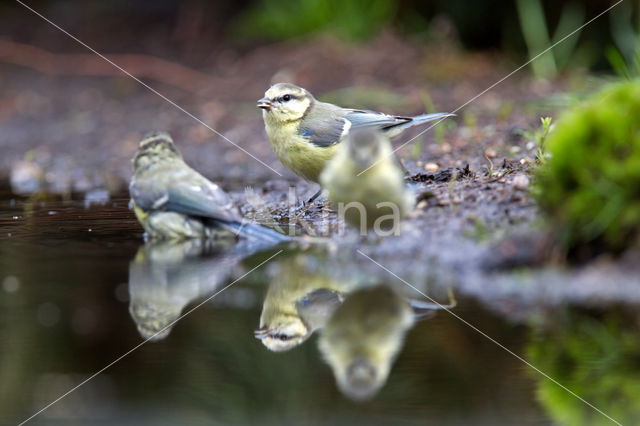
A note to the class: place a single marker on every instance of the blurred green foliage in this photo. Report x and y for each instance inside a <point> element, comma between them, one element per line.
<point>597,360</point>
<point>590,185</point>
<point>353,20</point>
<point>537,37</point>
<point>624,57</point>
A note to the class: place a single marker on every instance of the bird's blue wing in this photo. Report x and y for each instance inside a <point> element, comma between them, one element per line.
<point>323,133</point>
<point>183,191</point>
<point>200,199</point>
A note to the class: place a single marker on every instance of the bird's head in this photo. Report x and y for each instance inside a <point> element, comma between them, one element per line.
<point>284,334</point>
<point>155,147</point>
<point>154,322</point>
<point>361,379</point>
<point>365,147</point>
<point>285,102</point>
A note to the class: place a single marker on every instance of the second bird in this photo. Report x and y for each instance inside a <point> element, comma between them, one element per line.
<point>305,132</point>
<point>172,201</point>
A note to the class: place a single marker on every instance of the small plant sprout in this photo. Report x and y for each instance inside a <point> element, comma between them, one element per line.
<point>541,137</point>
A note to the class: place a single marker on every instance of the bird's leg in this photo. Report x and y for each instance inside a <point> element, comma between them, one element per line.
<point>314,197</point>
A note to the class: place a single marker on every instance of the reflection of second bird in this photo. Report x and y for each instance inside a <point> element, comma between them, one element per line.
<point>363,337</point>
<point>173,201</point>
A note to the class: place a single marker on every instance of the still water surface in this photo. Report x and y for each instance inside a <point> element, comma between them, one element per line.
<point>296,341</point>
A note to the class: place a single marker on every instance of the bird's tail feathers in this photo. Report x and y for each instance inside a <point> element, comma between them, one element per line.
<point>395,130</point>
<point>256,232</point>
<point>427,118</point>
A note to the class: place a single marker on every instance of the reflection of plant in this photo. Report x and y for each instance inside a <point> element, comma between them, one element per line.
<point>537,38</point>
<point>589,185</point>
<point>281,19</point>
<point>596,360</point>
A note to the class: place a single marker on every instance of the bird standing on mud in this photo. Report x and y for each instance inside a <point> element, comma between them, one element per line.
<point>305,133</point>
<point>365,184</point>
<point>173,201</point>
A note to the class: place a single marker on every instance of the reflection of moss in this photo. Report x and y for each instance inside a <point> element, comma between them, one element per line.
<point>598,361</point>
<point>590,186</point>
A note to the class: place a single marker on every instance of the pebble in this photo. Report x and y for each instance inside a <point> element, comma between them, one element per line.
<point>96,197</point>
<point>25,177</point>
<point>431,167</point>
<point>521,182</point>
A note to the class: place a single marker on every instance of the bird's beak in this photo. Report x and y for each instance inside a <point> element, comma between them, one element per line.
<point>261,333</point>
<point>265,103</point>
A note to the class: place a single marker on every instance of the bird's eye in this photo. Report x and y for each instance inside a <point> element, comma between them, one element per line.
<point>286,98</point>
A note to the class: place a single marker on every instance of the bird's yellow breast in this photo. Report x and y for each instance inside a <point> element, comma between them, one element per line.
<point>296,153</point>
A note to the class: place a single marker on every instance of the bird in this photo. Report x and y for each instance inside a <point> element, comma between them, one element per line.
<point>300,299</point>
<point>365,184</point>
<point>306,133</point>
<point>173,201</point>
<point>363,337</point>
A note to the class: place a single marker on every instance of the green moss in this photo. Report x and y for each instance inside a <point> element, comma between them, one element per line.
<point>590,186</point>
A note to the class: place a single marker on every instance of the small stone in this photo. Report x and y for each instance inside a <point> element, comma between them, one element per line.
<point>96,197</point>
<point>25,177</point>
<point>521,182</point>
<point>431,167</point>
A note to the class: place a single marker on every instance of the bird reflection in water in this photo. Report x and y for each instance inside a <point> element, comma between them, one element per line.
<point>164,277</point>
<point>299,301</point>
<point>365,334</point>
<point>362,326</point>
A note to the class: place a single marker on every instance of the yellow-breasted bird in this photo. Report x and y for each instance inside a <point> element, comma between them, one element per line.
<point>365,183</point>
<point>173,201</point>
<point>305,133</point>
<point>363,337</point>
